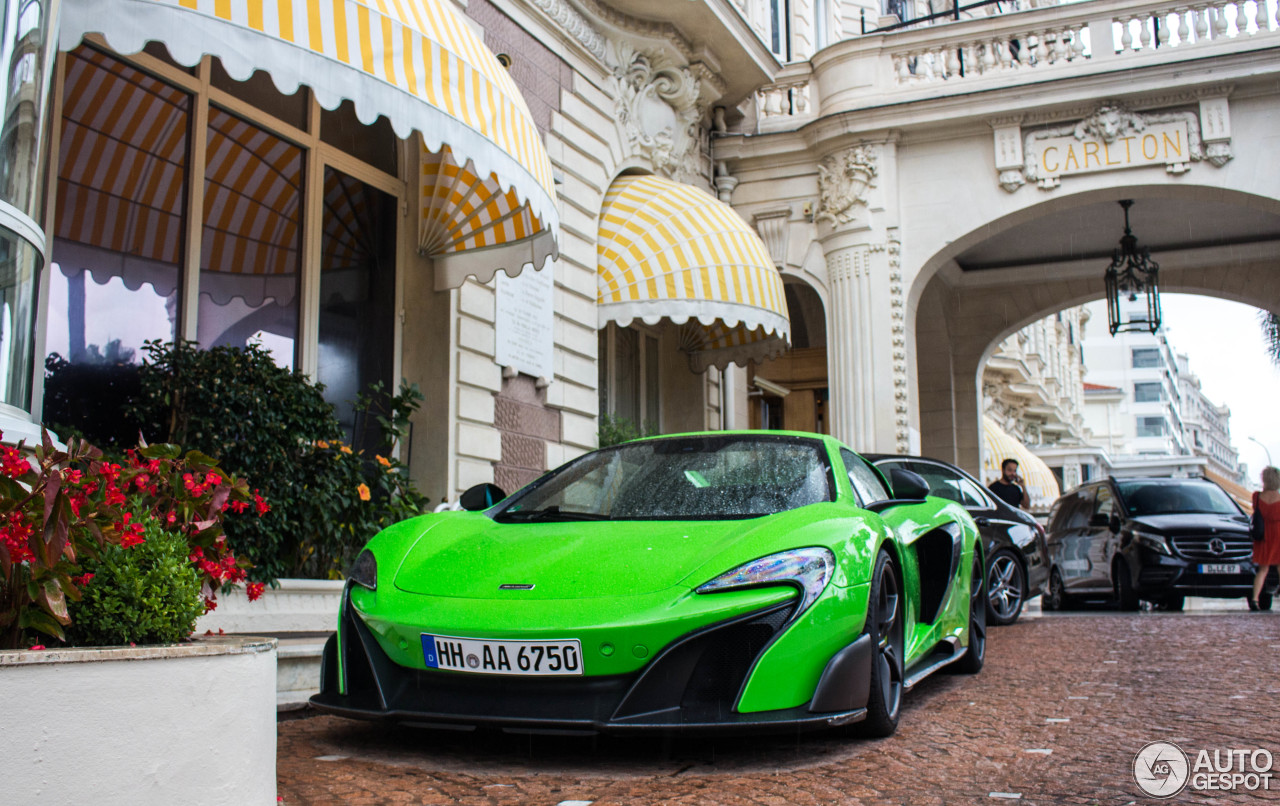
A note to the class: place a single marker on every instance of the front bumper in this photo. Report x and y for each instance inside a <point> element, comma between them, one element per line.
<point>1160,575</point>
<point>691,686</point>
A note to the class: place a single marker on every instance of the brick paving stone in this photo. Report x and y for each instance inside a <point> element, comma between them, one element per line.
<point>1201,681</point>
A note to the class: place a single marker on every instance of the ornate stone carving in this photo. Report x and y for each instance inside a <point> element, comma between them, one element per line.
<point>1012,180</point>
<point>773,230</point>
<point>898,330</point>
<point>576,25</point>
<point>843,181</point>
<point>658,110</point>
<point>1110,121</point>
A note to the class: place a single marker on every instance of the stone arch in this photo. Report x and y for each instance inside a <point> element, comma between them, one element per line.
<point>960,315</point>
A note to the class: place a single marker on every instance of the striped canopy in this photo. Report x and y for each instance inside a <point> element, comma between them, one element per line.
<point>999,445</point>
<point>488,196</point>
<point>666,250</point>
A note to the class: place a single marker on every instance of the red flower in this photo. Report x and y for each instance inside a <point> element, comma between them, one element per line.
<point>260,504</point>
<point>130,533</point>
<point>37,647</point>
<point>254,590</point>
<point>210,605</point>
<point>114,497</point>
<point>13,463</point>
<point>110,471</point>
<point>82,580</point>
<point>73,476</point>
<point>212,479</point>
<point>16,537</point>
<point>237,506</point>
<point>172,517</point>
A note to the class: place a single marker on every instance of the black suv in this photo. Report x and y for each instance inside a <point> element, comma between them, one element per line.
<point>1158,539</point>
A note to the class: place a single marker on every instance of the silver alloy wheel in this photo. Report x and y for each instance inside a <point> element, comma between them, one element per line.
<point>1006,588</point>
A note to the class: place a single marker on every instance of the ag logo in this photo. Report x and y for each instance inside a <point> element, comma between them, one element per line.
<point>1161,769</point>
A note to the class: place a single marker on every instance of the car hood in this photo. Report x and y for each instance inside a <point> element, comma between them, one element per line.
<point>469,556</point>
<point>1195,523</point>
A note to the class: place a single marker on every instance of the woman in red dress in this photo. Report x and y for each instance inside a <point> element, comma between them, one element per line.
<point>1266,552</point>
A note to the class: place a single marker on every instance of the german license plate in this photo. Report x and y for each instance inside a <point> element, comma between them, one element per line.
<point>1219,568</point>
<point>482,656</point>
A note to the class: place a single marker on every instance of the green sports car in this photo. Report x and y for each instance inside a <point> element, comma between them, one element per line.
<point>716,581</point>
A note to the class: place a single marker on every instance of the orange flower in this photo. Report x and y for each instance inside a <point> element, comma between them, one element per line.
<point>344,449</point>
<point>382,460</point>
<point>363,489</point>
<point>320,443</point>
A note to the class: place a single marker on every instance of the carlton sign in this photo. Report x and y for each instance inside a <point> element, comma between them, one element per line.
<point>1165,144</point>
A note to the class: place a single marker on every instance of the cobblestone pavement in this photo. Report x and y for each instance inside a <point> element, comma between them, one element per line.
<point>1056,717</point>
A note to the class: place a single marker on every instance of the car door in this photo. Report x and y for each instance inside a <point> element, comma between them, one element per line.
<point>1073,537</point>
<point>1102,541</point>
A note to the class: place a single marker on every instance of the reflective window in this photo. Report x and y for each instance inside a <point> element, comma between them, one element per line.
<point>1150,392</point>
<point>357,294</point>
<point>1151,427</point>
<point>680,478</point>
<point>1146,357</point>
<point>118,241</point>
<point>946,483</point>
<point>22,108</point>
<point>19,264</point>
<point>866,483</point>
<point>251,243</point>
<point>1175,497</point>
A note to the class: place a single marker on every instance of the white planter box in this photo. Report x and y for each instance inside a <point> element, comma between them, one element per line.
<point>184,723</point>
<point>297,605</point>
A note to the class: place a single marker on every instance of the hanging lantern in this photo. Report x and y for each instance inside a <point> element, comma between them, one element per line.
<point>1132,274</point>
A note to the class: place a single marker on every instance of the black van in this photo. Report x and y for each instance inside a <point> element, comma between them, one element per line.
<point>1158,539</point>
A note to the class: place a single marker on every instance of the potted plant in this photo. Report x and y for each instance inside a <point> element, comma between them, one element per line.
<point>125,555</point>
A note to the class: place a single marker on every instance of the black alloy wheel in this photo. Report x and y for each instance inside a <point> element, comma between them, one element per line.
<point>972,661</point>
<point>885,626</point>
<point>1056,597</point>
<point>1126,596</point>
<point>1006,588</point>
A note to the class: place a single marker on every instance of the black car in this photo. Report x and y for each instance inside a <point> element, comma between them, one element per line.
<point>1017,556</point>
<point>1153,539</point>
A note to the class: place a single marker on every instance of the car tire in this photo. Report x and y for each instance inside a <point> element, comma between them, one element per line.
<point>1264,601</point>
<point>975,657</point>
<point>1006,588</point>
<point>1171,604</point>
<point>885,626</point>
<point>1126,596</point>
<point>1055,598</point>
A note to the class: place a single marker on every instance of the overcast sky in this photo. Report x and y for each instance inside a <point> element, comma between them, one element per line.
<point>1223,343</point>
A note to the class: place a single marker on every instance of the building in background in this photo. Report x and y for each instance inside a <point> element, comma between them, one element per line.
<point>1144,407</point>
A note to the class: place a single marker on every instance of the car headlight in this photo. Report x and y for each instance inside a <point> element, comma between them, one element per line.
<point>1152,541</point>
<point>809,570</point>
<point>364,571</point>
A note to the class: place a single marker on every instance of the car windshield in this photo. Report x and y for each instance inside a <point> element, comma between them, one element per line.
<point>680,478</point>
<point>1174,498</point>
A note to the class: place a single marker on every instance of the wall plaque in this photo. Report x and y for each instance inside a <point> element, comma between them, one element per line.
<point>525,323</point>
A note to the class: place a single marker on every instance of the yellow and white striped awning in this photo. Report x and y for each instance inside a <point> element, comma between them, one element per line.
<point>487,196</point>
<point>667,250</point>
<point>998,445</point>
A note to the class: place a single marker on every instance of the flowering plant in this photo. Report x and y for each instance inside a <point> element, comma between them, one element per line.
<point>58,507</point>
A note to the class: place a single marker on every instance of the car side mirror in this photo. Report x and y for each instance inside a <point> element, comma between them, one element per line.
<point>481,496</point>
<point>1100,519</point>
<point>1115,523</point>
<point>908,485</point>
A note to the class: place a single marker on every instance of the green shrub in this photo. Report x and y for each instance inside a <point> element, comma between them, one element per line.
<point>274,426</point>
<point>148,593</point>
<point>615,430</point>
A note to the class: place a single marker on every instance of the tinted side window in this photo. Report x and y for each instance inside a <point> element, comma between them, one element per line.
<point>947,483</point>
<point>1105,503</point>
<point>1081,509</point>
<point>866,484</point>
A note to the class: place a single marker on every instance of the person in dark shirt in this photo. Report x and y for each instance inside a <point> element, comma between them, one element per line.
<point>1010,488</point>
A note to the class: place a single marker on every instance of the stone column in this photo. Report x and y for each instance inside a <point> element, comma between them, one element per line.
<point>866,356</point>
<point>866,317</point>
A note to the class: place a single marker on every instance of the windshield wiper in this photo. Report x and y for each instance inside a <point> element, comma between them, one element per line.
<point>551,513</point>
